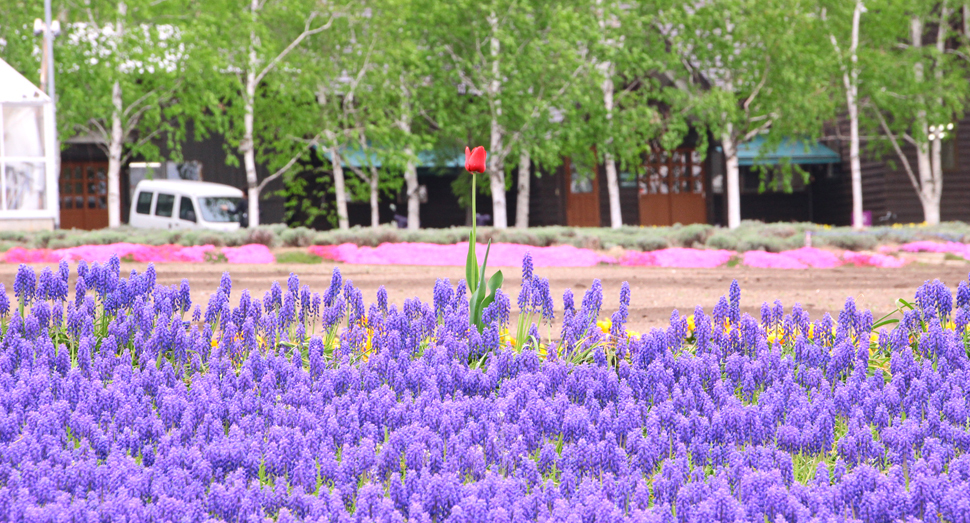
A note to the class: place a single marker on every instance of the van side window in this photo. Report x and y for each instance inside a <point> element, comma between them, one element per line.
<point>186,209</point>
<point>144,203</point>
<point>164,204</point>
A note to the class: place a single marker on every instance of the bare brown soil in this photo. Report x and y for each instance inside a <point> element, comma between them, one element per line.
<point>656,291</point>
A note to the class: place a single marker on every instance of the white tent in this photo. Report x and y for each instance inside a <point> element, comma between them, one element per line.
<point>28,154</point>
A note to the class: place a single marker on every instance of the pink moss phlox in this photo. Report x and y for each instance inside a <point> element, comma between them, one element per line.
<point>139,253</point>
<point>771,260</point>
<point>861,259</point>
<point>251,253</point>
<point>677,257</point>
<point>501,255</point>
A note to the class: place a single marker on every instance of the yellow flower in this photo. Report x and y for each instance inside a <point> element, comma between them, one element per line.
<point>605,325</point>
<point>690,324</point>
<point>506,337</point>
<point>633,334</point>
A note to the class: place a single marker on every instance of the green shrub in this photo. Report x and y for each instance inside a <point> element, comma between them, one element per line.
<point>688,235</point>
<point>262,235</point>
<point>850,241</point>
<point>723,240</point>
<point>650,242</point>
<point>297,237</point>
<point>298,257</point>
<point>759,242</point>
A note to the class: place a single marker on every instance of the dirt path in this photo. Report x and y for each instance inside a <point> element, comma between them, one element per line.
<point>656,291</point>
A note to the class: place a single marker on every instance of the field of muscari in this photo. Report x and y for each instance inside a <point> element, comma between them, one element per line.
<point>120,400</point>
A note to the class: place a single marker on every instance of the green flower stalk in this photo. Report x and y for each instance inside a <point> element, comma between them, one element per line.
<point>482,292</point>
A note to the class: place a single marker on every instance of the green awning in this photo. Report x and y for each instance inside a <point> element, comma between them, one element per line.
<point>799,152</point>
<point>353,156</point>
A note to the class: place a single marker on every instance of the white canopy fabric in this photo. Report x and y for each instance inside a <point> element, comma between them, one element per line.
<point>15,88</point>
<point>28,162</point>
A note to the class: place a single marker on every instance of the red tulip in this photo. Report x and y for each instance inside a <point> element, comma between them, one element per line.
<point>475,160</point>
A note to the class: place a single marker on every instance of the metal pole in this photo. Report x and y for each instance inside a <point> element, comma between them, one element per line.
<point>51,92</point>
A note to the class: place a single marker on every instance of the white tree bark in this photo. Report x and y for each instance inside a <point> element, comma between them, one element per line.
<point>246,147</point>
<point>613,187</point>
<point>522,198</point>
<point>612,183</point>
<point>608,70</point>
<point>373,181</point>
<point>927,154</point>
<point>496,160</point>
<point>340,192</point>
<point>114,158</point>
<point>732,185</point>
<point>851,79</point>
<point>414,197</point>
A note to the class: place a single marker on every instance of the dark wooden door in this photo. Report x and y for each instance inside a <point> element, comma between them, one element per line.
<point>673,189</point>
<point>582,195</point>
<point>84,195</point>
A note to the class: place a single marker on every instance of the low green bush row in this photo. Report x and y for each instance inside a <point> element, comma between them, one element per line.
<point>751,235</point>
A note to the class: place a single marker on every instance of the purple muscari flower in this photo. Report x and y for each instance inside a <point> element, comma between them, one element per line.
<point>963,295</point>
<point>767,320</point>
<point>526,267</point>
<point>4,301</point>
<point>734,299</point>
<point>185,296</point>
<point>721,313</point>
<point>961,319</point>
<point>148,279</point>
<point>381,299</point>
<point>64,271</point>
<point>567,301</point>
<point>293,284</point>
<point>498,311</point>
<point>625,300</point>
<point>46,285</point>
<point>25,285</point>
<point>592,301</point>
<point>225,285</point>
<point>443,295</point>
<point>334,290</point>
<point>548,308</point>
<point>355,303</point>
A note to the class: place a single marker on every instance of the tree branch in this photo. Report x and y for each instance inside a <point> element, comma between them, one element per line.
<point>757,89</point>
<point>306,32</point>
<point>282,170</point>
<point>899,152</point>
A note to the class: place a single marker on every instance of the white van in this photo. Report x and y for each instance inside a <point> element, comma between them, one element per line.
<point>185,204</point>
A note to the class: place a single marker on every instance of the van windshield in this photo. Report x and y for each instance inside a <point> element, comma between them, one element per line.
<point>220,208</point>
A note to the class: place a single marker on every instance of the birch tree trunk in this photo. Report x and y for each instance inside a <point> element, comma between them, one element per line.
<point>247,147</point>
<point>414,197</point>
<point>929,193</point>
<point>114,158</point>
<point>375,215</point>
<point>522,199</point>
<point>496,177</point>
<point>496,163</point>
<point>933,216</point>
<point>851,79</point>
<point>340,193</point>
<point>732,185</point>
<point>612,184</point>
